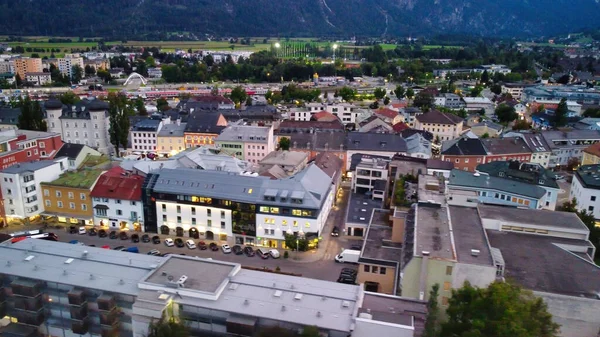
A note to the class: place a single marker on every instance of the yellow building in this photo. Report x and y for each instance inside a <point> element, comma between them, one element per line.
<point>170,139</point>
<point>591,155</point>
<point>68,197</point>
<point>27,65</point>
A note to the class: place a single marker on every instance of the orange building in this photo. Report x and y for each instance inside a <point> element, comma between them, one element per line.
<point>27,65</point>
<point>203,127</point>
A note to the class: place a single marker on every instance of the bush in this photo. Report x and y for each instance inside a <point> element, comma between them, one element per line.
<point>286,254</point>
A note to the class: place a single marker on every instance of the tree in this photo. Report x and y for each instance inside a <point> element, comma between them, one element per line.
<point>347,94</point>
<point>485,77</point>
<point>496,89</point>
<point>521,124</point>
<point>248,101</point>
<point>18,80</point>
<point>162,104</point>
<point>560,114</point>
<point>400,92</point>
<point>208,60</point>
<point>31,117</point>
<point>69,98</point>
<point>476,91</point>
<point>424,100</point>
<point>386,100</point>
<point>410,93</point>
<point>238,95</point>
<point>379,93</point>
<point>150,62</point>
<point>284,144</point>
<point>506,113</point>
<point>140,107</point>
<point>570,206</point>
<point>310,331</point>
<point>119,112</point>
<point>89,70</point>
<point>76,73</point>
<point>167,328</point>
<point>502,309</point>
<point>485,135</point>
<point>104,75</point>
<point>431,323</point>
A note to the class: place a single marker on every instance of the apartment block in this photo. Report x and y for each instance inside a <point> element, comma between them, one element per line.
<point>23,66</point>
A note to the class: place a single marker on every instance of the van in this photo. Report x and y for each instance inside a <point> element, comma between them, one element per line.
<point>133,249</point>
<point>82,230</point>
<point>274,253</point>
<point>263,253</point>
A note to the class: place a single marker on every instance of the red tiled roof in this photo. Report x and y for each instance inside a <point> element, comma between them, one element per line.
<point>437,117</point>
<point>116,183</point>
<point>324,116</point>
<point>389,113</point>
<point>593,149</point>
<point>399,127</point>
<point>399,105</point>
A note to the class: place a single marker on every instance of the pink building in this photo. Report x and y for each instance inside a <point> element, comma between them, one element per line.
<point>250,143</point>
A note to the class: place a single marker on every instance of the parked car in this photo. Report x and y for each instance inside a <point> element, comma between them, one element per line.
<point>102,233</point>
<point>346,280</point>
<point>132,249</point>
<point>356,247</point>
<point>156,239</point>
<point>169,242</point>
<point>263,253</point>
<point>348,272</point>
<point>93,232</point>
<point>237,250</point>
<point>213,246</point>
<point>113,235</point>
<point>146,238</point>
<point>179,243</point>
<point>226,249</point>
<point>72,230</point>
<point>74,242</point>
<point>559,177</point>
<point>154,252</point>
<point>202,245</point>
<point>105,247</point>
<point>190,244</point>
<point>119,248</point>
<point>249,251</point>
<point>274,253</point>
<point>135,238</point>
<point>82,230</point>
<point>335,231</point>
<point>123,236</point>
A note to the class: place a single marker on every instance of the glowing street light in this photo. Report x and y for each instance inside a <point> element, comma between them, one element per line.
<point>335,46</point>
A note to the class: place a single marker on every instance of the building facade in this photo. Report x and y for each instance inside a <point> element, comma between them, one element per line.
<point>25,65</point>
<point>38,79</point>
<point>443,126</point>
<point>585,187</point>
<point>66,64</point>
<point>250,143</point>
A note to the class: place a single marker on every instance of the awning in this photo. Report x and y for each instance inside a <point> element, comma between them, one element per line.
<point>101,207</point>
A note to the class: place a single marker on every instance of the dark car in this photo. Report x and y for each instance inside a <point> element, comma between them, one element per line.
<point>356,247</point>
<point>249,251</point>
<point>237,250</point>
<point>156,240</point>
<point>202,245</point>
<point>179,243</point>
<point>146,238</point>
<point>102,233</point>
<point>93,232</point>
<point>73,230</point>
<point>335,231</point>
<point>264,254</point>
<point>348,273</point>
<point>119,248</point>
<point>154,252</point>
<point>346,280</point>
<point>123,236</point>
<point>135,238</point>
<point>213,246</point>
<point>113,235</point>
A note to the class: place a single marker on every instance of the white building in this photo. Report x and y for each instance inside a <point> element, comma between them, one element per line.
<point>38,79</point>
<point>346,112</point>
<point>21,186</point>
<point>586,189</point>
<point>475,104</point>
<point>144,134</point>
<point>117,200</point>
<point>85,122</point>
<point>66,64</point>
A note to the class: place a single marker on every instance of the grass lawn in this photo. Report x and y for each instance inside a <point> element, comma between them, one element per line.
<point>77,179</point>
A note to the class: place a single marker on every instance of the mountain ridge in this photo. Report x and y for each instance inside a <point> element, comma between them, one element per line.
<point>129,18</point>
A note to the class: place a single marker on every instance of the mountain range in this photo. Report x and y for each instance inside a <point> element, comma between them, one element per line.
<point>132,18</point>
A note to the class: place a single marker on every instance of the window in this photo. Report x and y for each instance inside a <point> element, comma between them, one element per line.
<point>132,203</point>
<point>193,221</point>
<point>178,209</point>
<point>274,210</point>
<point>70,195</point>
<point>591,208</point>
<point>456,160</point>
<point>222,224</point>
<point>208,212</point>
<point>374,269</point>
<point>382,270</point>
<point>295,223</point>
<point>58,194</point>
<point>367,268</point>
<point>133,215</point>
<point>193,210</point>
<point>100,211</point>
<point>48,203</point>
<point>83,207</point>
<point>264,209</point>
<point>447,286</point>
<point>72,205</point>
<point>448,270</point>
<point>593,198</point>
<point>164,217</point>
<point>479,160</point>
<point>82,196</point>
<point>118,201</point>
<point>444,300</point>
<point>222,214</point>
<point>59,204</point>
<point>164,207</point>
<point>296,212</point>
<point>466,160</point>
<point>178,219</point>
<point>119,212</point>
<point>209,223</point>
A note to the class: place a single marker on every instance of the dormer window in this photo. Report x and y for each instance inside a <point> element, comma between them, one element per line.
<point>541,182</point>
<point>296,201</point>
<point>501,174</point>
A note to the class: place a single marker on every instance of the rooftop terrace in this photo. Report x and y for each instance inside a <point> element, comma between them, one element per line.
<point>84,178</point>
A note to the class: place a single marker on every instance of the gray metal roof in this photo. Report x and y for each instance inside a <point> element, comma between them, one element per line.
<point>460,178</point>
<point>539,217</point>
<point>146,125</point>
<point>172,130</point>
<point>385,142</point>
<point>244,133</point>
<point>102,269</point>
<point>311,185</point>
<point>28,167</point>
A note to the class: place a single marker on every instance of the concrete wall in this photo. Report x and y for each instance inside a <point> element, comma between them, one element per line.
<point>386,281</point>
<point>478,275</point>
<point>368,328</point>
<point>578,317</point>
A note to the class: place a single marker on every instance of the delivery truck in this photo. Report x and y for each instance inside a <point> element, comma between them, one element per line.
<point>348,256</point>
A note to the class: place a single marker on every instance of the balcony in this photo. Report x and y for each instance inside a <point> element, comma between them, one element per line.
<point>79,312</point>
<point>76,297</point>
<point>109,318</point>
<point>29,318</point>
<point>80,327</point>
<point>32,304</point>
<point>106,303</point>
<point>26,288</point>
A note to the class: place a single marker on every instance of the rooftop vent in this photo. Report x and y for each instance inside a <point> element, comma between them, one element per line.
<point>345,304</point>
<point>319,314</point>
<point>277,293</point>
<point>283,308</point>
<point>298,297</point>
<point>29,258</point>
<point>233,286</point>
<point>425,253</point>
<point>246,302</point>
<point>475,252</point>
<point>68,261</point>
<point>85,253</point>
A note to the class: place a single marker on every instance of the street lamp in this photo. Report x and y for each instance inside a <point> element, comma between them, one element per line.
<point>277,46</point>
<point>335,46</point>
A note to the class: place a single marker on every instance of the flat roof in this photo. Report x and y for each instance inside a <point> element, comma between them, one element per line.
<point>470,235</point>
<point>433,231</point>
<point>378,244</point>
<point>464,179</point>
<point>360,208</point>
<point>83,178</point>
<point>538,217</point>
<point>537,262</point>
<point>589,175</point>
<point>65,263</point>
<point>395,310</point>
<point>429,189</point>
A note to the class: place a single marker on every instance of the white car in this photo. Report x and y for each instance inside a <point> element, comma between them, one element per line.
<point>226,249</point>
<point>190,244</point>
<point>274,253</point>
<point>169,242</point>
<point>82,230</point>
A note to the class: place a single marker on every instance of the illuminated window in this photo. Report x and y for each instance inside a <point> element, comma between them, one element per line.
<point>307,225</point>
<point>295,223</point>
<point>296,212</point>
<point>249,191</point>
<point>284,223</point>
<point>264,209</point>
<point>275,210</point>
<point>447,286</point>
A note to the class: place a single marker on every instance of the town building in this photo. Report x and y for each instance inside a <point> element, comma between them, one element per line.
<point>465,153</point>
<point>205,102</point>
<point>591,155</point>
<point>144,134</point>
<point>38,78</point>
<point>376,124</point>
<point>117,200</point>
<point>389,116</point>
<point>487,127</point>
<point>255,115</point>
<point>250,143</point>
<point>477,104</point>
<point>585,187</point>
<point>540,151</point>
<point>503,149</point>
<point>370,176</point>
<point>209,296</point>
<point>19,146</point>
<point>493,68</point>
<point>291,126</point>
<point>449,100</point>
<point>443,126</point>
<point>76,154</point>
<point>68,197</point>
<point>9,118</point>
<point>580,94</point>
<point>515,89</point>
<point>533,174</point>
<point>170,139</point>
<point>240,209</point>
<point>24,65</point>
<point>376,144</point>
<point>346,112</point>
<point>86,122</point>
<point>66,64</point>
<point>203,127</point>
<point>333,166</point>
<point>566,146</point>
<point>97,64</point>
<point>316,142</point>
<point>287,162</point>
<point>410,115</point>
<point>21,187</point>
